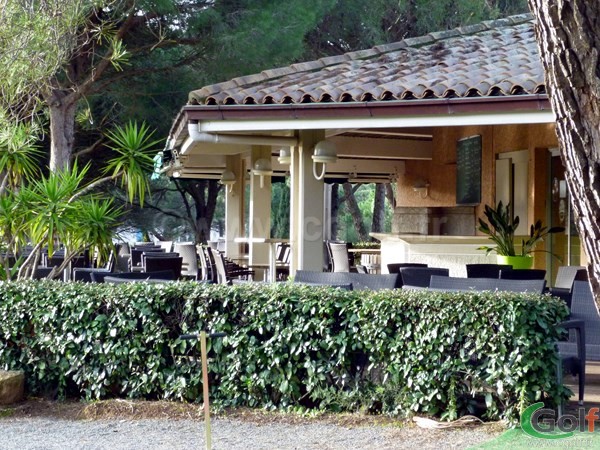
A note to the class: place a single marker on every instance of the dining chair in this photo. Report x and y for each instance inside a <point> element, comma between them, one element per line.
<point>156,263</point>
<point>573,352</point>
<point>340,257</point>
<point>159,254</point>
<point>522,274</point>
<point>167,246</point>
<point>395,267</point>
<point>187,250</point>
<point>219,265</point>
<point>361,269</point>
<point>485,270</point>
<point>565,279</point>
<point>99,277</point>
<point>205,272</point>
<point>135,258</point>
<point>420,276</point>
<point>282,266</point>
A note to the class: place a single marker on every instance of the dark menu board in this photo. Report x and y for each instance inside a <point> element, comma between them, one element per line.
<point>468,171</point>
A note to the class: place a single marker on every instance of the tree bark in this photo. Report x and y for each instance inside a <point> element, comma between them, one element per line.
<point>204,193</point>
<point>335,208</point>
<point>568,36</point>
<point>62,132</point>
<point>354,210</point>
<point>389,194</point>
<point>377,224</point>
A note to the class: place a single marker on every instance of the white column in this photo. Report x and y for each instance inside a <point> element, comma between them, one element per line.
<point>306,220</point>
<point>260,209</point>
<point>234,207</point>
<point>327,211</point>
<point>294,218</point>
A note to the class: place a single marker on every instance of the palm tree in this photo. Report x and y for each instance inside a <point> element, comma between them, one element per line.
<point>62,208</point>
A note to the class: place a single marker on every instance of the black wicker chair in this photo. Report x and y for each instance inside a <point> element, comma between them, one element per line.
<point>344,286</point>
<point>359,281</point>
<point>486,284</point>
<point>485,270</point>
<point>395,267</point>
<point>158,263</point>
<point>98,277</point>
<point>135,260</point>
<point>420,276</point>
<point>522,274</point>
<point>118,280</point>
<point>565,278</point>
<point>573,353</point>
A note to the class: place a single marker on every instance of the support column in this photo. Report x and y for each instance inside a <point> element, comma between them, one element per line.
<point>260,209</point>
<point>306,221</point>
<point>327,211</point>
<point>234,207</point>
<point>294,217</point>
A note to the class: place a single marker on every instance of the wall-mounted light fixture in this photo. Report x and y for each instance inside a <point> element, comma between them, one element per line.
<point>262,168</point>
<point>285,156</point>
<point>176,168</point>
<point>228,180</point>
<point>325,153</point>
<point>422,187</point>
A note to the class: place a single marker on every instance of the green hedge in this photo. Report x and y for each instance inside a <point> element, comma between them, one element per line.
<point>401,352</point>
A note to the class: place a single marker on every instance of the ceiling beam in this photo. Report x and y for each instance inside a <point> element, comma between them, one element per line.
<point>360,147</point>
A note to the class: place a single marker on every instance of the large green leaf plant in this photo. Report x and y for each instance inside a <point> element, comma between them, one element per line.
<point>501,231</point>
<point>64,208</point>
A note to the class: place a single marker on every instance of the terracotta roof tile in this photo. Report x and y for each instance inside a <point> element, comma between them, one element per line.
<point>337,59</point>
<point>497,57</point>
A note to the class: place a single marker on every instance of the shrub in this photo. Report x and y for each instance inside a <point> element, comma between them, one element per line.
<point>402,352</point>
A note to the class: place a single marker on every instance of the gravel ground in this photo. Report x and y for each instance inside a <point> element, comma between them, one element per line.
<point>26,433</point>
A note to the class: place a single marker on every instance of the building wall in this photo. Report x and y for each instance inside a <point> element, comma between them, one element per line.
<point>440,172</point>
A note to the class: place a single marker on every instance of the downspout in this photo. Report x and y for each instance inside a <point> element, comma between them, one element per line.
<point>215,138</point>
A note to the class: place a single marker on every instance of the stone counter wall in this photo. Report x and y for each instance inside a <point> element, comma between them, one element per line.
<point>457,221</point>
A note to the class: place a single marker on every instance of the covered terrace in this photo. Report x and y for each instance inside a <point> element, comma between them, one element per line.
<point>395,113</point>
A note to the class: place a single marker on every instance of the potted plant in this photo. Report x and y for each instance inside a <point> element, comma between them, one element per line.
<point>501,230</point>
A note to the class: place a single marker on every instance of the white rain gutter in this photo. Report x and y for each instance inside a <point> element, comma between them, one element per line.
<point>213,138</point>
<point>474,119</point>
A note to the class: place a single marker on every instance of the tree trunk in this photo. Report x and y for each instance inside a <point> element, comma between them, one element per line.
<point>354,210</point>
<point>569,41</point>
<point>62,134</point>
<point>335,208</point>
<point>204,193</point>
<point>378,221</point>
<point>389,194</point>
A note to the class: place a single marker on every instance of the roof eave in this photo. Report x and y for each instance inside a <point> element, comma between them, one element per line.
<point>317,115</point>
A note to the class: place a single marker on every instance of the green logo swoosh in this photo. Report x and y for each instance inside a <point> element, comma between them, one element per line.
<point>527,425</point>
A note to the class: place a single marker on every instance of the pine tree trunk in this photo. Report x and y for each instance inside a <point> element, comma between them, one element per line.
<point>355,213</point>
<point>204,193</point>
<point>378,209</point>
<point>62,134</point>
<point>389,194</point>
<point>568,35</point>
<point>335,208</point>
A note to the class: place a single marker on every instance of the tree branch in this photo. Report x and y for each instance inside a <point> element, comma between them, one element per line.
<point>92,148</point>
<point>94,185</point>
<point>97,71</point>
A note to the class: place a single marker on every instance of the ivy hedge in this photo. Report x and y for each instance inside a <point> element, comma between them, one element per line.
<point>287,346</point>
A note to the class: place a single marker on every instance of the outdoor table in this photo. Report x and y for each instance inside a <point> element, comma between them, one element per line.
<point>272,252</point>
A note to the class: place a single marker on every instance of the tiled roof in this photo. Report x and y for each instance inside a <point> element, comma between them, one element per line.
<point>494,58</point>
